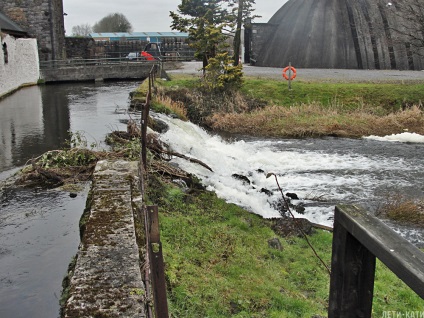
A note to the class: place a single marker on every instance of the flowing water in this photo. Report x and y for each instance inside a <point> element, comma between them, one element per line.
<point>322,172</point>
<point>39,231</point>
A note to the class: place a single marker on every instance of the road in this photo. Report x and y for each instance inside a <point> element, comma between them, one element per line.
<point>324,75</point>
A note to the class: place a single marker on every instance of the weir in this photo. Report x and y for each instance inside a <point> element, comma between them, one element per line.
<point>106,280</point>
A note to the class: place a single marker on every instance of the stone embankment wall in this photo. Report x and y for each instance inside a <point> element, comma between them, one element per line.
<point>19,65</point>
<point>41,19</point>
<point>107,280</point>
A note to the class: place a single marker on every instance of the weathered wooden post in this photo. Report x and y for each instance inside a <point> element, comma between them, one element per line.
<point>352,275</point>
<point>358,239</point>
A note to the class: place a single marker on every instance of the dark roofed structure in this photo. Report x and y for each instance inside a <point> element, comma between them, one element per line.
<point>352,34</point>
<point>10,27</point>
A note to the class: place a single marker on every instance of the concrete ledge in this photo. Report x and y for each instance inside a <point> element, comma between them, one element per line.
<point>107,281</point>
<point>93,72</point>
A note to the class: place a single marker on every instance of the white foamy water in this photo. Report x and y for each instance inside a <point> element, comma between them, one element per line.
<point>333,176</point>
<point>403,137</point>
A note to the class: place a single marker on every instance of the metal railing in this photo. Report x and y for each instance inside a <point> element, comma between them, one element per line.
<point>108,61</point>
<point>359,238</point>
<point>89,62</point>
<point>155,268</point>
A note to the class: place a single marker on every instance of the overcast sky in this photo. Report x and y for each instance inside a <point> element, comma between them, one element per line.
<point>144,15</point>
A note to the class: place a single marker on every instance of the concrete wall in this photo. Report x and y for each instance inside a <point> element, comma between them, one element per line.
<point>352,34</point>
<point>42,19</point>
<point>97,72</point>
<point>22,66</point>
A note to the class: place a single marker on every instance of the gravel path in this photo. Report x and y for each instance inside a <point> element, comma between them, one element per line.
<point>323,75</point>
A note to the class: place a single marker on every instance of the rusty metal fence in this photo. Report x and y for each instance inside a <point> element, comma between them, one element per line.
<point>154,268</point>
<point>358,239</point>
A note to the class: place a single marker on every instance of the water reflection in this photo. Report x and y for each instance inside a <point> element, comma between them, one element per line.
<point>29,126</point>
<point>38,237</point>
<point>39,229</point>
<point>37,119</point>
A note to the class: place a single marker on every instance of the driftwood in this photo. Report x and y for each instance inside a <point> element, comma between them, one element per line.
<point>49,175</point>
<point>158,147</point>
<point>176,154</point>
<point>322,227</point>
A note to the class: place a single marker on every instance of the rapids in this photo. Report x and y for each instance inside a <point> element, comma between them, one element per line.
<point>322,172</point>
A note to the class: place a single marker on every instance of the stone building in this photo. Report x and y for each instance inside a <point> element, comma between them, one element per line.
<point>41,19</point>
<point>18,58</point>
<point>351,34</point>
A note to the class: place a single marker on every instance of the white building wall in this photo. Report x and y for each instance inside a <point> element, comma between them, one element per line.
<point>23,64</point>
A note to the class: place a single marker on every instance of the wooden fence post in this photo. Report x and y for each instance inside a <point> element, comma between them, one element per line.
<point>352,275</point>
<point>157,265</point>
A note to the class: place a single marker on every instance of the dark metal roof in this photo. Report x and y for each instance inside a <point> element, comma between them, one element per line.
<point>8,26</point>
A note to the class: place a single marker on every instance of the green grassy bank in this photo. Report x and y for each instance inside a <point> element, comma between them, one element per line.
<point>219,263</point>
<point>218,260</point>
<point>266,107</point>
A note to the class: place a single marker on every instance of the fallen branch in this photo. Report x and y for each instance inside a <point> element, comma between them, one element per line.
<point>322,227</point>
<point>176,154</point>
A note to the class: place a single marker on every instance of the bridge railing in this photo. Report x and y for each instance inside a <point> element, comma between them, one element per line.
<point>106,61</point>
<point>88,62</point>
<point>358,238</point>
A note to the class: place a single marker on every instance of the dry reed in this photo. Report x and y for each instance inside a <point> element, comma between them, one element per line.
<point>312,120</point>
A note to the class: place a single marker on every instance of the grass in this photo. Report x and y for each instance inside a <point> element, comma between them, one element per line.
<point>348,96</point>
<point>403,209</point>
<point>309,109</point>
<point>219,264</point>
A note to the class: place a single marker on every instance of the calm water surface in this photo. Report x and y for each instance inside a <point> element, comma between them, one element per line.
<point>39,228</point>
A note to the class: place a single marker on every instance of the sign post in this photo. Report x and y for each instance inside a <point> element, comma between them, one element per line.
<point>291,74</point>
<point>290,79</point>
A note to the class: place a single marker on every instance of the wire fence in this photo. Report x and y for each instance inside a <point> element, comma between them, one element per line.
<point>154,268</point>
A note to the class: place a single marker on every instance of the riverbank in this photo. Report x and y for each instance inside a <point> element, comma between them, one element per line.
<point>217,245</point>
<point>223,261</point>
<point>220,259</point>
<point>370,103</point>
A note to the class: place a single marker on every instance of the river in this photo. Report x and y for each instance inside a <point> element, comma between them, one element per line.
<point>39,228</point>
<point>322,172</point>
<point>39,231</point>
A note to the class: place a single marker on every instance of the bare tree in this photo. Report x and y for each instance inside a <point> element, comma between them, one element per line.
<point>242,13</point>
<point>82,30</point>
<point>114,22</point>
<point>409,15</point>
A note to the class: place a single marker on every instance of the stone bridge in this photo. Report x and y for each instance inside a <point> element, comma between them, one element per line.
<point>95,70</point>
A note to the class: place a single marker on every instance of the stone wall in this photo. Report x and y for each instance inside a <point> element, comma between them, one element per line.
<point>77,47</point>
<point>42,19</point>
<point>92,72</point>
<point>21,67</point>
